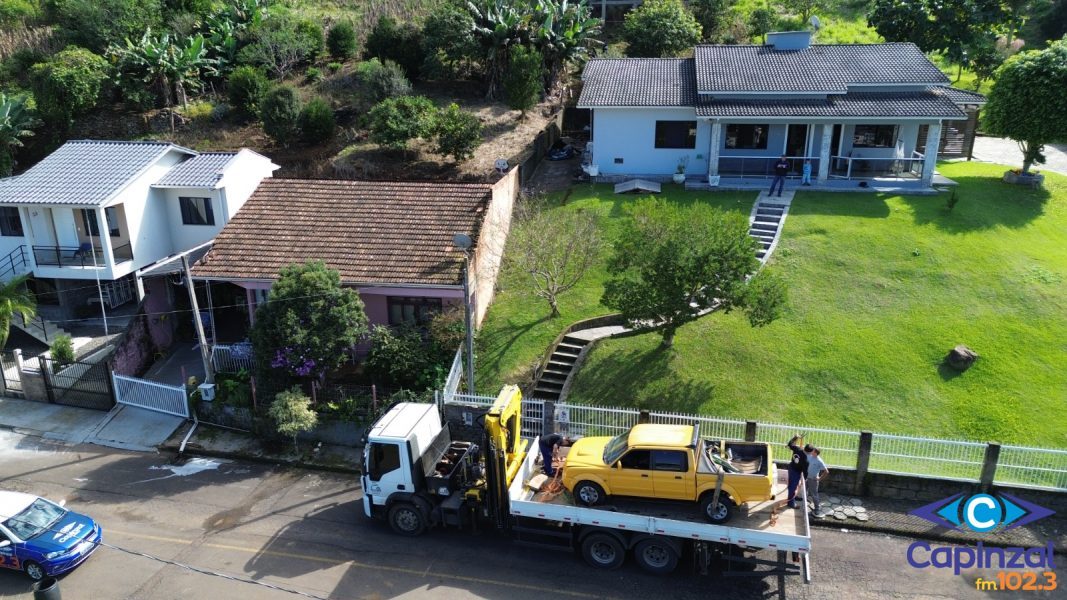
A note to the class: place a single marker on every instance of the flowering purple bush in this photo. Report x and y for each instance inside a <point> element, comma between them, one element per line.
<point>294,361</point>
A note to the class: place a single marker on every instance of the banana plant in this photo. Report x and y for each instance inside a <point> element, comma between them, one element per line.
<point>16,122</point>
<point>498,26</point>
<point>171,67</point>
<point>565,33</point>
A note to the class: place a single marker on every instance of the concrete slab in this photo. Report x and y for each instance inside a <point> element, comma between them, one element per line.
<point>638,185</point>
<point>133,428</point>
<point>1006,152</point>
<point>51,421</point>
<point>180,363</point>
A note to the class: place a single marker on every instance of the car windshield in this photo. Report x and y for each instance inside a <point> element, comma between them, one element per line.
<point>33,521</point>
<point>614,450</point>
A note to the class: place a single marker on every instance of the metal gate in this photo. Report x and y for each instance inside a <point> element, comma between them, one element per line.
<point>168,399</point>
<point>12,379</point>
<point>81,384</point>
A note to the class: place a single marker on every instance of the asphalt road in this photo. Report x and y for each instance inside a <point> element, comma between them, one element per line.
<point>227,529</point>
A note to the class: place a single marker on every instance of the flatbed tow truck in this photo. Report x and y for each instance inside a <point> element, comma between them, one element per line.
<point>416,476</point>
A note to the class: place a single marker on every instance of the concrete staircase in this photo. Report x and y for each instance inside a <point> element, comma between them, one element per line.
<point>39,328</point>
<point>559,367</point>
<point>765,222</point>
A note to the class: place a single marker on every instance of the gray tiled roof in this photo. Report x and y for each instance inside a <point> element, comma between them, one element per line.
<point>83,172</point>
<point>638,82</point>
<point>818,68</point>
<point>962,96</point>
<point>865,104</point>
<point>201,171</point>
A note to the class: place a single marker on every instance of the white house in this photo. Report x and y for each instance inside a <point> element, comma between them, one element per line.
<point>854,110</point>
<point>104,209</point>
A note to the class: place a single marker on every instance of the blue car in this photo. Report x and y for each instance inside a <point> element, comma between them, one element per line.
<point>42,538</point>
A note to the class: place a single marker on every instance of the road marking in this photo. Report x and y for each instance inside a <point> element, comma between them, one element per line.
<point>359,565</point>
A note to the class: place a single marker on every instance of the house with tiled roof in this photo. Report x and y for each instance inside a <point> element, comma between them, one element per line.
<point>97,210</point>
<point>855,111</point>
<point>393,241</point>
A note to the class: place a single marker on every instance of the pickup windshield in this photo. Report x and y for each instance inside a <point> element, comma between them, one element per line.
<point>614,450</point>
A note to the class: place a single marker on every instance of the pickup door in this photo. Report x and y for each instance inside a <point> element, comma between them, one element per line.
<point>632,475</point>
<point>671,476</point>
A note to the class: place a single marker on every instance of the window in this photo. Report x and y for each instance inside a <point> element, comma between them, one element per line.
<point>669,460</point>
<point>10,223</point>
<point>636,459</point>
<point>384,458</point>
<point>747,137</point>
<point>874,136</point>
<point>676,134</point>
<point>412,311</point>
<point>91,226</point>
<point>196,211</point>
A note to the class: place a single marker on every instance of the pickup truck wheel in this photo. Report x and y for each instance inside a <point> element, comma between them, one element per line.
<point>720,513</point>
<point>589,493</point>
<point>603,551</point>
<point>656,556</point>
<point>407,519</point>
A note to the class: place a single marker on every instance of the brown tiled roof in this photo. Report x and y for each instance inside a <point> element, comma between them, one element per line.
<point>370,231</point>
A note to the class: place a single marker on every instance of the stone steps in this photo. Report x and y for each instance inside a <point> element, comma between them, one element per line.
<point>554,376</point>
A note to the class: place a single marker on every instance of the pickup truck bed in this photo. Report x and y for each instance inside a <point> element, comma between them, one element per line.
<point>750,528</point>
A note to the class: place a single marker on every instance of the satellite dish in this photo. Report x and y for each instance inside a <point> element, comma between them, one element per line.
<point>815,22</point>
<point>462,241</point>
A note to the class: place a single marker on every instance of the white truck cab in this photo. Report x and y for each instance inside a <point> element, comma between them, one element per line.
<point>394,445</point>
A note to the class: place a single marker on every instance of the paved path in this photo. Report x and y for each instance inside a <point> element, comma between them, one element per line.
<point>1006,152</point>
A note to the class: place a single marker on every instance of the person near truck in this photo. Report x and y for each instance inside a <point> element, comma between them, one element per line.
<point>781,169</point>
<point>817,471</point>
<point>798,468</point>
<point>549,444</point>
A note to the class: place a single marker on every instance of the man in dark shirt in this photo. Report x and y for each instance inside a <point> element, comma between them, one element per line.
<point>781,169</point>
<point>548,445</point>
<point>798,468</point>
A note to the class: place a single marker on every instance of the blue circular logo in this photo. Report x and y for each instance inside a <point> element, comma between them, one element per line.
<point>983,512</point>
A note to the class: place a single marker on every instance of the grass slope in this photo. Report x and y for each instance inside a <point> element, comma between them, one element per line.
<point>881,288</point>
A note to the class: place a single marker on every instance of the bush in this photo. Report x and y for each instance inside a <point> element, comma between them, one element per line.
<point>63,349</point>
<point>94,24</point>
<point>13,12</point>
<point>334,66</point>
<point>761,21</point>
<point>317,123</point>
<point>280,44</point>
<point>220,112</point>
<point>523,81</point>
<point>660,28</point>
<point>199,110</point>
<point>342,41</point>
<point>382,80</point>
<point>457,133</point>
<point>448,42</point>
<point>280,111</point>
<point>68,84</point>
<point>399,43</point>
<point>291,412</point>
<point>247,86</point>
<point>312,32</point>
<point>394,121</point>
<point>16,68</point>
<point>313,74</point>
<point>400,357</point>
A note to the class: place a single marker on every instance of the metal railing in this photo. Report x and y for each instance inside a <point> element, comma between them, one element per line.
<point>906,455</point>
<point>454,376</point>
<point>158,397</point>
<point>839,448</point>
<point>15,263</point>
<point>1038,467</point>
<point>231,358</point>
<point>847,167</point>
<point>78,256</point>
<point>763,166</point>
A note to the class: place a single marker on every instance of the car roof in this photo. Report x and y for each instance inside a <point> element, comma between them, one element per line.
<point>12,503</point>
<point>649,434</point>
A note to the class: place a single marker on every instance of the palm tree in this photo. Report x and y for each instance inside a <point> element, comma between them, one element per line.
<point>15,298</point>
<point>16,122</point>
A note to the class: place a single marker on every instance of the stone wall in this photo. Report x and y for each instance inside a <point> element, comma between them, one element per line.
<point>492,236</point>
<point>136,350</point>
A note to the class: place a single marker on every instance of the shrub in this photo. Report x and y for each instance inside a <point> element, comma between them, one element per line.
<point>280,44</point>
<point>660,28</point>
<point>400,357</point>
<point>317,123</point>
<point>68,84</point>
<point>13,12</point>
<point>342,41</point>
<point>448,42</point>
<point>760,21</point>
<point>334,66</point>
<point>279,111</point>
<point>94,24</point>
<point>523,79</point>
<point>399,43</point>
<point>394,121</point>
<point>291,412</point>
<point>63,349</point>
<point>312,32</point>
<point>382,80</point>
<point>457,133</point>
<point>220,112</point>
<point>17,67</point>
<point>199,110</point>
<point>247,86</point>
<point>313,74</point>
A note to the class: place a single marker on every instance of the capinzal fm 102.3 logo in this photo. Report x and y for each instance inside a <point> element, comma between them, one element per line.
<point>981,513</point>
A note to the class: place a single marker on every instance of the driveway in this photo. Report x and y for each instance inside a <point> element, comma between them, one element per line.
<point>1006,152</point>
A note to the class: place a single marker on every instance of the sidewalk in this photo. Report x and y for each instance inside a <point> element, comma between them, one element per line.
<point>125,427</point>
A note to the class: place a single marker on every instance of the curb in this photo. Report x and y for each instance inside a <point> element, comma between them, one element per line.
<point>196,451</point>
<point>933,535</point>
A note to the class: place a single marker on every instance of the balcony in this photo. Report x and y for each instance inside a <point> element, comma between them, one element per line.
<point>78,256</point>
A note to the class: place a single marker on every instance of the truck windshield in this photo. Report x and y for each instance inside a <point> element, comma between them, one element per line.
<point>616,448</point>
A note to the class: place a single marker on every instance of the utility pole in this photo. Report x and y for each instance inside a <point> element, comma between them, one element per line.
<point>470,322</point>
<point>205,353</point>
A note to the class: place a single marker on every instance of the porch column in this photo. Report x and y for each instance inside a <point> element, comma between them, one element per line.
<point>104,230</point>
<point>933,144</point>
<point>713,148</point>
<point>824,151</point>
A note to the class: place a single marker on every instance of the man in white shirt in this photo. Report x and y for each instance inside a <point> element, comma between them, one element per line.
<point>817,471</point>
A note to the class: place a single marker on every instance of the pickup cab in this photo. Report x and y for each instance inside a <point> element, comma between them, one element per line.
<point>670,462</point>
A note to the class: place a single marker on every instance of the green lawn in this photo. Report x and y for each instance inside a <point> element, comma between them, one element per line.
<point>881,287</point>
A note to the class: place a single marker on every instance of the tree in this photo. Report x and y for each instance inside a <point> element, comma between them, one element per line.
<point>171,67</point>
<point>342,41</point>
<point>15,298</point>
<point>499,25</point>
<point>713,16</point>
<point>96,24</point>
<point>804,8</point>
<point>281,44</point>
<point>292,413</point>
<point>246,87</point>
<point>68,84</point>
<point>317,122</point>
<point>1028,80</point>
<point>381,80</point>
<point>562,32</point>
<point>401,44</point>
<point>660,28</point>
<point>448,42</point>
<point>308,325</point>
<point>522,82</point>
<point>671,264</point>
<point>551,251</point>
<point>949,26</point>
<point>280,111</point>
<point>760,22</point>
<point>395,121</point>
<point>457,133</point>
<point>16,122</point>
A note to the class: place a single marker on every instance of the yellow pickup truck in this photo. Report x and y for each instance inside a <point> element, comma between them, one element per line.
<point>670,462</point>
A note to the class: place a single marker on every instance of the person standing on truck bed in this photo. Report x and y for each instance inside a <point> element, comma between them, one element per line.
<point>798,468</point>
<point>549,443</point>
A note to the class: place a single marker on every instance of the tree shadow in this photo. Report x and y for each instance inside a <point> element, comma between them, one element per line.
<point>859,204</point>
<point>495,344</point>
<point>982,203</point>
<point>624,378</point>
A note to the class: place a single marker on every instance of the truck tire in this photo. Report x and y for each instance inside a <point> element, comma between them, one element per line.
<point>589,493</point>
<point>656,556</point>
<point>603,551</point>
<point>406,519</point>
<point>721,513</point>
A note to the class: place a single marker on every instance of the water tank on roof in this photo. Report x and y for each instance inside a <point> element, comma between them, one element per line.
<point>789,40</point>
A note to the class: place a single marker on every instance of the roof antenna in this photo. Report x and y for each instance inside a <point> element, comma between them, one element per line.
<point>816,24</point>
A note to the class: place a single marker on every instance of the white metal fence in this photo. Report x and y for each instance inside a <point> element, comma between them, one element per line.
<point>837,448</point>
<point>533,410</point>
<point>159,397</point>
<point>232,358</point>
<point>454,375</point>
<point>1033,466</point>
<point>955,459</point>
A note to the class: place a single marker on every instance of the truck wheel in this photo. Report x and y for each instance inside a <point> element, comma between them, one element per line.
<point>407,519</point>
<point>589,493</point>
<point>656,556</point>
<point>720,513</point>
<point>603,551</point>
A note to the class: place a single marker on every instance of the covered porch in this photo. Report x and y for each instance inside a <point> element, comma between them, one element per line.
<point>73,238</point>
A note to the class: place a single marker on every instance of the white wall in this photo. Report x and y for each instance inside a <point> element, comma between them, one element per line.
<point>184,237</point>
<point>146,214</point>
<point>630,134</point>
<point>242,178</point>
